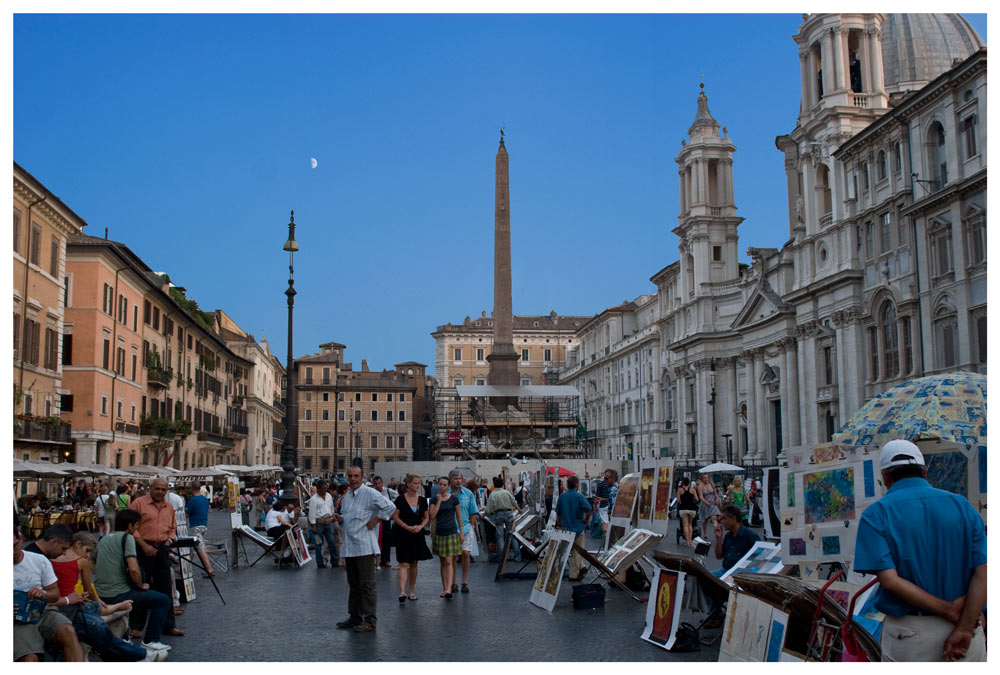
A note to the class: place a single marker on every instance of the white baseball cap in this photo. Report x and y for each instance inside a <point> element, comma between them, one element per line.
<point>894,449</point>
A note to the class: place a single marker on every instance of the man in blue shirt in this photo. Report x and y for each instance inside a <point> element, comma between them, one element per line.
<point>470,516</point>
<point>572,513</point>
<point>928,549</point>
<point>197,512</point>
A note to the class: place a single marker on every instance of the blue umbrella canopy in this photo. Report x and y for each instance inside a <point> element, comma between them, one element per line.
<point>949,406</point>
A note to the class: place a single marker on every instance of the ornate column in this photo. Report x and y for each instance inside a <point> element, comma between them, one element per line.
<point>804,76</point>
<point>783,395</point>
<point>792,402</point>
<point>730,197</point>
<point>751,371</point>
<point>826,56</point>
<point>762,421</point>
<point>838,58</point>
<point>683,200</point>
<point>875,58</point>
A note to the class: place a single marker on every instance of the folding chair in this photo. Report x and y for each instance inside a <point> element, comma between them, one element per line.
<point>219,551</point>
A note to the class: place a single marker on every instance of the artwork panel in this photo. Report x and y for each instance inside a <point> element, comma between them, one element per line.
<point>869,471</point>
<point>831,545</point>
<point>808,570</point>
<point>828,495</point>
<point>826,453</point>
<point>797,546</point>
<point>772,502</point>
<point>790,490</point>
<point>647,482</point>
<point>789,520</point>
<point>661,510</point>
<point>948,471</point>
<point>625,500</point>
<point>663,608</point>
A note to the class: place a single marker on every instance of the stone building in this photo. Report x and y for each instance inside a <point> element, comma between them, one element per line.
<point>42,224</point>
<point>541,341</point>
<point>263,407</point>
<point>347,415</point>
<point>883,276</point>
<point>153,383</point>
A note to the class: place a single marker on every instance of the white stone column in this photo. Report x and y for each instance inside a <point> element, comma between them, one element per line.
<point>875,57</point>
<point>791,411</point>
<point>783,393</point>
<point>826,57</point>
<point>811,78</point>
<point>804,398</point>
<point>730,194</point>
<point>751,369</point>
<point>762,419</point>
<point>852,391</point>
<point>683,197</point>
<point>804,84</point>
<point>838,58</point>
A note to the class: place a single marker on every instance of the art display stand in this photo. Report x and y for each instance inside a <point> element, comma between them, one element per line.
<point>186,579</point>
<point>270,547</point>
<point>523,524</point>
<point>550,573</point>
<point>627,551</point>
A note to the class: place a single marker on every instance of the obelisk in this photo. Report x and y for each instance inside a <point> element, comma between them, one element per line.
<point>503,359</point>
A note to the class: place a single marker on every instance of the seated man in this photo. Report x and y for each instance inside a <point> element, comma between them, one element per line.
<point>119,578</point>
<point>34,575</point>
<point>736,543</point>
<point>279,520</point>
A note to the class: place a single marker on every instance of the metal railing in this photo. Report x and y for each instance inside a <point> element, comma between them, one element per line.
<point>30,430</point>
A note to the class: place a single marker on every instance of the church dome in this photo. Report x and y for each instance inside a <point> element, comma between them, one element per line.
<point>916,48</point>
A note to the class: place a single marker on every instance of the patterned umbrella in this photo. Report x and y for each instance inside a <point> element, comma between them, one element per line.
<point>950,406</point>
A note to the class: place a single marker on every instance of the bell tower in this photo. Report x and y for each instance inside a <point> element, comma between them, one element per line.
<point>707,220</point>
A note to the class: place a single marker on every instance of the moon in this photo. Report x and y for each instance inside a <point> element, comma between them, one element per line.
<point>313,162</point>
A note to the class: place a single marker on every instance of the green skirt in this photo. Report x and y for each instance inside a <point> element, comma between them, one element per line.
<point>447,545</point>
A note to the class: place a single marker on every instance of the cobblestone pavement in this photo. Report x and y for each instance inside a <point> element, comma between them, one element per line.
<point>289,615</point>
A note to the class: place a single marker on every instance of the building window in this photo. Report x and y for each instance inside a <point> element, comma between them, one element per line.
<point>326,396</point>
<point>940,235</point>
<point>357,415</point>
<point>873,352</point>
<point>340,415</point>
<point>17,231</point>
<point>156,318</point>
<point>388,442</point>
<point>890,344</point>
<point>374,415</point>
<point>945,335</point>
<point>402,415</point>
<point>938,155</point>
<point>864,176</point>
<point>480,354</point>
<point>324,441</point>
<point>976,227</point>
<point>147,311</point>
<point>357,396</point>
<point>326,415</point>
<point>388,397</point>
<point>456,381</point>
<point>374,397</point>
<point>307,441</point>
<point>458,354</point>
<point>374,442</point>
<point>309,396</point>
<point>524,355</point>
<point>480,382</point>
<point>897,158</point>
<point>36,244</point>
<point>869,241</point>
<point>525,381</point>
<point>882,170</point>
<point>904,324</point>
<point>402,397</point>
<point>388,415</point>
<point>979,331</point>
<point>340,441</point>
<point>309,414</point>
<point>104,405</point>
<point>106,355</point>
<point>402,442</point>
<point>969,136</point>
<point>54,257</point>
<point>547,355</point>
<point>51,349</point>
<point>885,232</point>
<point>309,375</point>
<point>827,365</point>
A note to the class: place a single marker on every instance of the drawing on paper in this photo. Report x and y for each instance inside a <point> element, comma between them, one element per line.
<point>797,546</point>
<point>776,640</point>
<point>831,545</point>
<point>828,495</point>
<point>646,484</point>
<point>869,478</point>
<point>662,508</point>
<point>791,489</point>
<point>948,471</point>
<point>824,454</point>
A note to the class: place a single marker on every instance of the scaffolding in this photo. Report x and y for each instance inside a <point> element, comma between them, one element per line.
<point>493,422</point>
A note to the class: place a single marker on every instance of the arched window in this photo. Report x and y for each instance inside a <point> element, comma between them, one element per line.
<point>945,336</point>
<point>689,270</point>
<point>823,186</point>
<point>890,340</point>
<point>938,159</point>
<point>882,170</point>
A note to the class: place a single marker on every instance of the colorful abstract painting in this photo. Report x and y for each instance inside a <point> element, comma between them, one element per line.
<point>797,546</point>
<point>646,485</point>
<point>828,495</point>
<point>948,471</point>
<point>826,453</point>
<point>662,509</point>
<point>831,545</point>
<point>626,497</point>
<point>791,489</point>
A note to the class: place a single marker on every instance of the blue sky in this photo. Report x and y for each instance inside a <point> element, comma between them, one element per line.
<point>189,138</point>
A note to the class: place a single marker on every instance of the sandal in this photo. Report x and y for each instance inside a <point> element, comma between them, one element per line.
<point>413,598</point>
<point>454,588</point>
<point>465,588</point>
<point>208,575</point>
<point>402,599</point>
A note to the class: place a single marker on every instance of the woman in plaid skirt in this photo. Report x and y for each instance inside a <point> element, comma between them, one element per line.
<point>446,531</point>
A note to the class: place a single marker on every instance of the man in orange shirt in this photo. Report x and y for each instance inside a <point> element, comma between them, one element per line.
<point>156,531</point>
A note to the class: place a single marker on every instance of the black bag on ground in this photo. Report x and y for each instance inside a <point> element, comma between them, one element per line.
<point>686,639</point>
<point>588,596</point>
<point>635,579</point>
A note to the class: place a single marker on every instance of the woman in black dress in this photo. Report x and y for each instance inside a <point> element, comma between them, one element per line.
<point>410,518</point>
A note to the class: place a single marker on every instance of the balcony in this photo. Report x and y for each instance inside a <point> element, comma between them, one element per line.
<point>826,393</point>
<point>159,378</point>
<point>127,428</point>
<point>42,429</point>
<point>626,430</point>
<point>213,441</point>
<point>160,427</point>
<point>240,429</point>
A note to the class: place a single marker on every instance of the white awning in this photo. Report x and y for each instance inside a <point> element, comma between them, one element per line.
<point>528,391</point>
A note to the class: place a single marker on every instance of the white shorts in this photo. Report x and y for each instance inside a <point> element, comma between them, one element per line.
<point>469,542</point>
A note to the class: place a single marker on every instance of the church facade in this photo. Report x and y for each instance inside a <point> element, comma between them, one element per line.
<point>882,278</point>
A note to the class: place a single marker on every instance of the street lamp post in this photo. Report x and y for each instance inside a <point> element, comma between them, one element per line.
<point>712,403</point>
<point>729,447</point>
<point>288,453</point>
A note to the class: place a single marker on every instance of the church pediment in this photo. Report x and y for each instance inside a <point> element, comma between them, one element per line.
<point>763,303</point>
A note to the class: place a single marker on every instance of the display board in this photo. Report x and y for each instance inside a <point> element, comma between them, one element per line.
<point>764,557</point>
<point>655,491</point>
<point>823,491</point>
<point>771,502</point>
<point>297,542</point>
<point>754,630</point>
<point>628,549</point>
<point>186,568</point>
<point>233,487</point>
<point>550,572</point>
<point>663,608</point>
<point>957,468</point>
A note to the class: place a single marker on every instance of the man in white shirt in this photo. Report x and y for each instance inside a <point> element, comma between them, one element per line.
<point>321,509</point>
<point>175,499</point>
<point>360,512</point>
<point>34,575</point>
<point>386,526</point>
<point>278,520</point>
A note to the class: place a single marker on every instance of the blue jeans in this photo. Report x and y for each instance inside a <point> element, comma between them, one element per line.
<point>504,521</point>
<point>146,604</point>
<point>325,533</point>
<point>93,630</point>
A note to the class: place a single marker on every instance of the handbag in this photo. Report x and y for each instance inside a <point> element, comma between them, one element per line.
<point>324,520</point>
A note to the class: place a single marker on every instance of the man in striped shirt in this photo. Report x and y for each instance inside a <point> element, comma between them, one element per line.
<point>360,512</point>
